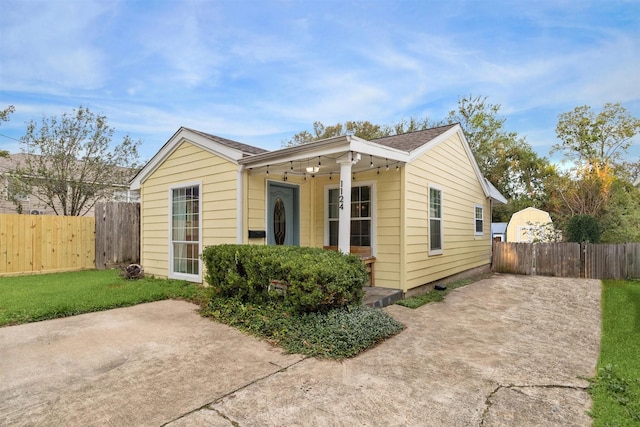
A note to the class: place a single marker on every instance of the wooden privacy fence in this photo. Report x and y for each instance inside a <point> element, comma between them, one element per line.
<point>594,261</point>
<point>117,234</point>
<point>45,243</point>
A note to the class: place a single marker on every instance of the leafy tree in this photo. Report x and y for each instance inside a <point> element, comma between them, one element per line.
<point>504,158</point>
<point>597,145</point>
<point>70,165</point>
<point>583,228</point>
<point>362,129</point>
<point>596,140</point>
<point>620,222</point>
<point>4,117</point>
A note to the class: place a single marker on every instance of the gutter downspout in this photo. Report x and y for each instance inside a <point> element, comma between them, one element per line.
<point>239,204</point>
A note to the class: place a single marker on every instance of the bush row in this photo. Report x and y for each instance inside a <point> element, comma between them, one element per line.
<point>315,279</point>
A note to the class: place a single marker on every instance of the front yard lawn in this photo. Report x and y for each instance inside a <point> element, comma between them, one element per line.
<point>616,388</point>
<point>47,296</point>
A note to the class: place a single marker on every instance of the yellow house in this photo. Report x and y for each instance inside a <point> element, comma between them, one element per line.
<point>415,203</point>
<point>527,226</point>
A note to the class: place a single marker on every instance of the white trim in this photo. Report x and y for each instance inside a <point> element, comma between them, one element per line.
<point>266,207</point>
<point>326,147</point>
<point>239,205</point>
<point>182,135</point>
<point>373,211</point>
<point>475,231</point>
<point>441,250</point>
<point>182,276</point>
<point>457,129</point>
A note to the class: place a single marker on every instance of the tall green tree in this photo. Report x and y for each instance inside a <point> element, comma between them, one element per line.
<point>505,158</point>
<point>70,163</point>
<point>596,140</point>
<point>598,183</point>
<point>4,117</point>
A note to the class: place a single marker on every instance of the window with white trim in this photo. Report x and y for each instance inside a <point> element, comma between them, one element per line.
<point>435,221</point>
<point>479,220</point>
<point>185,232</point>
<point>361,215</point>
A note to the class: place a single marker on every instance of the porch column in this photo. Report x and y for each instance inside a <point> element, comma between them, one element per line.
<point>344,200</point>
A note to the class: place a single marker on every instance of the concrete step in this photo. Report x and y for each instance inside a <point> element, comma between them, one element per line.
<point>380,297</point>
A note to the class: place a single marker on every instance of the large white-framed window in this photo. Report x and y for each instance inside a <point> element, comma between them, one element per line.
<point>185,231</point>
<point>479,220</point>
<point>436,246</point>
<point>362,215</point>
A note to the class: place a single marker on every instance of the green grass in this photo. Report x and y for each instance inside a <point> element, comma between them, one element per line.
<point>39,297</point>
<point>337,334</point>
<point>616,388</point>
<point>436,296</point>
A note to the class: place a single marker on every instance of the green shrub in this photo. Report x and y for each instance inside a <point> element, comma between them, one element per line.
<point>336,334</point>
<point>583,228</point>
<point>316,279</point>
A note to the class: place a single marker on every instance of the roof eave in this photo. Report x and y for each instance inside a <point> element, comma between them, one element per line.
<point>228,153</point>
<point>324,147</point>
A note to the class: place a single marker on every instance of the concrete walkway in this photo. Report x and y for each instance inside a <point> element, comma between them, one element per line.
<point>509,350</point>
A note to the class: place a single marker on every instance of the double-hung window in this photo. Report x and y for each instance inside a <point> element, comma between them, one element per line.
<point>361,215</point>
<point>435,221</point>
<point>479,220</point>
<point>185,232</point>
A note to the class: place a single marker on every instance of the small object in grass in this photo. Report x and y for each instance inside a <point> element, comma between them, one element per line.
<point>132,271</point>
<point>440,288</point>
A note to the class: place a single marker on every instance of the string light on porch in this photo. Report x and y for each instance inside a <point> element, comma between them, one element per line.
<point>370,161</point>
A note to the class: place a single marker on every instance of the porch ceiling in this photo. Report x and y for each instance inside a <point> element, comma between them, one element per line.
<point>324,155</point>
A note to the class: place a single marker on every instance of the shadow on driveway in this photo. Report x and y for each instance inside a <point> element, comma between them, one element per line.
<point>504,351</point>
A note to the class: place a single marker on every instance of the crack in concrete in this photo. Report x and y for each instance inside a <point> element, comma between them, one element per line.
<point>207,406</point>
<point>515,387</point>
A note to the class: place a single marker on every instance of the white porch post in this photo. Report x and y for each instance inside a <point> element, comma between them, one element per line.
<point>344,217</point>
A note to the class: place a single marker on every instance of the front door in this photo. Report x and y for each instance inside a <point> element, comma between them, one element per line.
<point>282,215</point>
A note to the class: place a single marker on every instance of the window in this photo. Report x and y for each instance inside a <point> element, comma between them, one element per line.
<point>435,221</point>
<point>185,232</point>
<point>479,230</point>
<point>361,215</point>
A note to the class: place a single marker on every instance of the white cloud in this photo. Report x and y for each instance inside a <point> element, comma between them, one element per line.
<point>48,46</point>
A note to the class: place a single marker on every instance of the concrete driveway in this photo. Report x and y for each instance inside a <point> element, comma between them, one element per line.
<point>505,351</point>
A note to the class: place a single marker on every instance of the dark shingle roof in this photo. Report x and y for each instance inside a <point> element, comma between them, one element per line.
<point>246,149</point>
<point>412,140</point>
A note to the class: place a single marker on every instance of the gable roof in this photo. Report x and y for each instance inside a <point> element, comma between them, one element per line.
<point>413,140</point>
<point>246,149</point>
<point>225,148</point>
<point>400,149</point>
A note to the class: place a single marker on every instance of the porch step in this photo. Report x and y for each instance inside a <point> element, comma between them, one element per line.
<point>380,297</point>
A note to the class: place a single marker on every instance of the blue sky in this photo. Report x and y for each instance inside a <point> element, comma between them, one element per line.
<point>260,71</point>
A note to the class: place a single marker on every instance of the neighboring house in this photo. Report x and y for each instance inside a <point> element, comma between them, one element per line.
<point>415,202</point>
<point>499,231</point>
<point>34,206</point>
<point>528,225</point>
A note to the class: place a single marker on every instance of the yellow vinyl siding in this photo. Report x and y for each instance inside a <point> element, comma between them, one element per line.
<point>256,199</point>
<point>448,168</point>
<point>187,164</point>
<point>388,223</point>
<point>388,198</point>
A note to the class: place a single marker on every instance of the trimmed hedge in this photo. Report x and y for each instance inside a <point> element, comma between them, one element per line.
<point>316,279</point>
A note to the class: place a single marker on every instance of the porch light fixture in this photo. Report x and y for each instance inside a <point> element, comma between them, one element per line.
<point>313,169</point>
